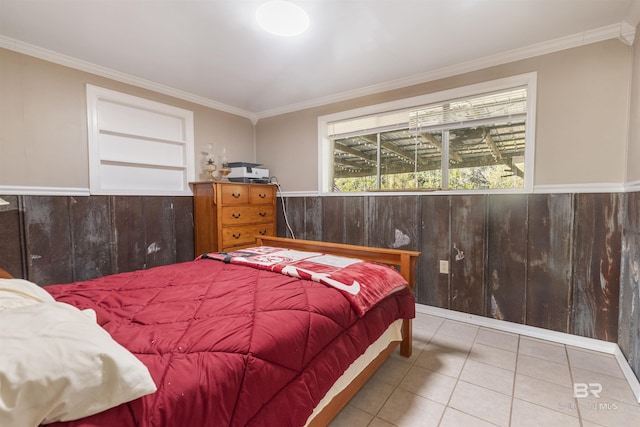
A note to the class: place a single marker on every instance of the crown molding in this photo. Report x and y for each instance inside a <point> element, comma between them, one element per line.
<point>568,42</point>
<point>78,64</point>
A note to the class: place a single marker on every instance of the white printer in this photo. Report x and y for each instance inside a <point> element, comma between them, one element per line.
<point>248,172</point>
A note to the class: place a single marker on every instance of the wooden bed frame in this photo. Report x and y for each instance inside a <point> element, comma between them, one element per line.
<point>5,275</point>
<point>404,261</point>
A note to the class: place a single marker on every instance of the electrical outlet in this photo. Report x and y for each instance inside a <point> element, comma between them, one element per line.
<point>444,266</point>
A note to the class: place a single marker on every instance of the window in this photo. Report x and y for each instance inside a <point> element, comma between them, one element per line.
<point>478,137</point>
<point>138,146</point>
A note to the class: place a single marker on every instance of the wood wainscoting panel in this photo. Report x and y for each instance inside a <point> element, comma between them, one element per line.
<point>393,222</point>
<point>129,229</point>
<point>432,287</point>
<point>159,217</point>
<point>11,237</point>
<point>629,326</point>
<point>507,257</point>
<point>549,261</point>
<point>632,211</point>
<point>183,226</point>
<point>91,237</point>
<point>468,254</point>
<point>629,316</point>
<point>49,248</point>
<point>596,265</point>
<point>296,216</point>
<point>343,219</point>
<point>313,218</point>
<point>62,239</point>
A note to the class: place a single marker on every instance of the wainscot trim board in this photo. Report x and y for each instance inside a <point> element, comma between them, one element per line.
<point>537,189</point>
<point>80,192</point>
<point>543,334</point>
<point>632,186</point>
<point>43,191</point>
<point>580,188</point>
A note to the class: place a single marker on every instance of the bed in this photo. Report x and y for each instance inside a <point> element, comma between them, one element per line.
<point>235,339</point>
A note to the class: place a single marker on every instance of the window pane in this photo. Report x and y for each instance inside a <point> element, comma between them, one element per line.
<point>408,160</point>
<point>398,160</point>
<point>487,157</point>
<point>355,163</point>
<point>414,160</point>
<point>430,150</point>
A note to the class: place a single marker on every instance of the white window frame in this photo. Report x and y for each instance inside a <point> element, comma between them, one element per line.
<point>325,154</point>
<point>149,151</point>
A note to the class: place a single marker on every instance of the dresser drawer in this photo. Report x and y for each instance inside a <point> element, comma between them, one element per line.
<point>234,194</point>
<point>245,234</point>
<point>261,194</point>
<point>247,214</point>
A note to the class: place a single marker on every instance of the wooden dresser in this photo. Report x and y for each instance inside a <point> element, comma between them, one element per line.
<point>229,215</point>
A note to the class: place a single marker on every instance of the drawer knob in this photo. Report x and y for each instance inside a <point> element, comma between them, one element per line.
<point>262,232</point>
<point>235,195</point>
<point>262,195</point>
<point>236,235</point>
<point>235,215</point>
<point>262,214</point>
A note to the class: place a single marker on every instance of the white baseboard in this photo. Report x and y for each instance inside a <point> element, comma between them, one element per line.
<point>543,334</point>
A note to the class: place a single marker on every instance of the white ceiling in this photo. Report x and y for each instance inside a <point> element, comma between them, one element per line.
<point>213,52</point>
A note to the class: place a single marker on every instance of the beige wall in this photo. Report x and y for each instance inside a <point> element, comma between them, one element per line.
<point>633,152</point>
<point>581,130</point>
<point>582,126</point>
<point>43,123</point>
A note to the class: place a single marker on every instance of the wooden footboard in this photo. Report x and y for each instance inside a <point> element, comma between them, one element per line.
<point>404,261</point>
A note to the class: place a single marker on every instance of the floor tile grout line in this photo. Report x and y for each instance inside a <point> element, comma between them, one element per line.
<point>448,405</point>
<point>515,376</point>
<point>448,400</point>
<point>575,399</point>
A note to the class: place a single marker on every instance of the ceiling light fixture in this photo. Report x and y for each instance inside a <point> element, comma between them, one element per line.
<point>282,18</point>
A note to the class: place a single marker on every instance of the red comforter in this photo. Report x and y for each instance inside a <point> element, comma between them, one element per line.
<point>229,345</point>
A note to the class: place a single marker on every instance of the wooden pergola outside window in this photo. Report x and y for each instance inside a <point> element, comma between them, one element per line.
<point>473,143</point>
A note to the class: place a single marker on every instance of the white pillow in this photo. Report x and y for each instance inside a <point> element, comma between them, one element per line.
<point>18,293</point>
<point>57,364</point>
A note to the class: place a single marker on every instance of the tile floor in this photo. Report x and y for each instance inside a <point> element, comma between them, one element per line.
<point>465,375</point>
